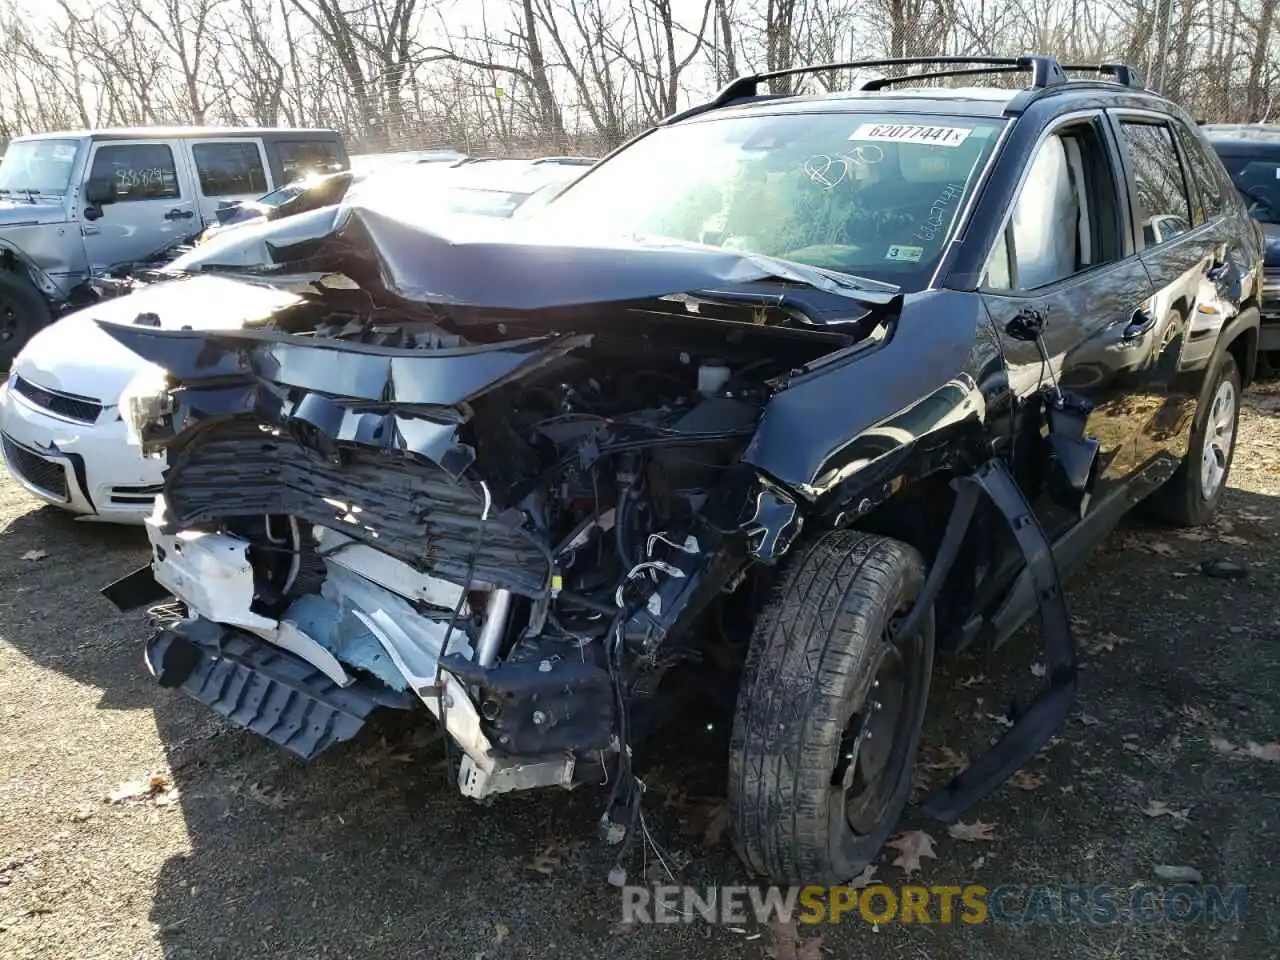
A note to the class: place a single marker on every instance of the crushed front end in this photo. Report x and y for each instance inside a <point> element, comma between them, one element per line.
<point>515,520</point>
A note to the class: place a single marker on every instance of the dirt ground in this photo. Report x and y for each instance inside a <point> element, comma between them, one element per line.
<point>369,852</point>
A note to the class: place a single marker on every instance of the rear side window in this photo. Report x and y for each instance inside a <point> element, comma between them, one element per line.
<point>1163,207</point>
<point>141,171</point>
<point>229,169</point>
<point>304,158</point>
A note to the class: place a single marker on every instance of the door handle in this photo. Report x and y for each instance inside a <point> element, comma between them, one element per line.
<point>179,214</point>
<point>1140,323</point>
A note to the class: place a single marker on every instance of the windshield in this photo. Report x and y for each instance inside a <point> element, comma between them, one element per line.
<point>38,166</point>
<point>862,194</point>
<point>1258,181</point>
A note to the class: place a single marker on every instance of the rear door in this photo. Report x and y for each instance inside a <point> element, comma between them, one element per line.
<point>1186,255</point>
<point>155,204</point>
<point>228,170</point>
<point>296,158</point>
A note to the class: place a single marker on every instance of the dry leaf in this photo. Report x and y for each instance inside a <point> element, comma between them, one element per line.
<point>275,799</point>
<point>548,861</point>
<point>1268,751</point>
<point>1160,548</point>
<point>863,879</point>
<point>787,943</point>
<point>1158,808</point>
<point>1234,541</point>
<point>944,758</point>
<point>34,555</point>
<point>1038,670</point>
<point>972,832</point>
<point>1027,780</point>
<point>139,789</point>
<point>717,824</point>
<point>1001,719</point>
<point>500,933</point>
<point>1222,745</point>
<point>911,846</point>
<point>1087,720</point>
<point>973,681</point>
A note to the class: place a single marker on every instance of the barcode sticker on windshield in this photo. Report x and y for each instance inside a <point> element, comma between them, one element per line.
<point>912,133</point>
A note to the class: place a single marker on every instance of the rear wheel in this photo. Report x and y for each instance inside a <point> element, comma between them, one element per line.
<point>23,311</point>
<point>1191,496</point>
<point>829,712</point>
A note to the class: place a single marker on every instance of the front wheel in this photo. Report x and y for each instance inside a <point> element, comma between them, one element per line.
<point>1191,496</point>
<point>829,712</point>
<point>23,311</point>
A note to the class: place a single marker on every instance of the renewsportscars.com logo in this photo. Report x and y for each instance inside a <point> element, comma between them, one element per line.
<point>940,904</point>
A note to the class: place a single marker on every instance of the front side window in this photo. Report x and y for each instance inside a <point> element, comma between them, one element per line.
<point>37,166</point>
<point>141,171</point>
<point>1063,221</point>
<point>1163,207</point>
<point>871,195</point>
<point>229,169</point>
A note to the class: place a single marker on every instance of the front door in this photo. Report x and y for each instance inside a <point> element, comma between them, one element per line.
<point>153,207</point>
<point>1066,262</point>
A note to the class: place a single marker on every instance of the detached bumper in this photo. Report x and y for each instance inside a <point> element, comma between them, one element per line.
<point>262,688</point>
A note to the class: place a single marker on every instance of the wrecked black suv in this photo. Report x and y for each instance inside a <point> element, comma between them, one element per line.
<point>797,391</point>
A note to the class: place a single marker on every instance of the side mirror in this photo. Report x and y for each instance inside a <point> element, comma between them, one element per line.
<point>100,191</point>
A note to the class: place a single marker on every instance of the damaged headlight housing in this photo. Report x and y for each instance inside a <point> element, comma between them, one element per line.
<point>146,401</point>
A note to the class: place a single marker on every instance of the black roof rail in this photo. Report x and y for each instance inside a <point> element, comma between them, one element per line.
<point>1124,74</point>
<point>1045,72</point>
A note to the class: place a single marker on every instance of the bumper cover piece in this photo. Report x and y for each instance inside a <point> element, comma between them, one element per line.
<point>262,688</point>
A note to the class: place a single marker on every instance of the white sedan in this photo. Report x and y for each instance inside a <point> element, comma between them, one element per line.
<point>60,426</point>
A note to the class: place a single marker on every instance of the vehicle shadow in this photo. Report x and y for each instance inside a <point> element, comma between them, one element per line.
<point>370,851</point>
<point>52,567</point>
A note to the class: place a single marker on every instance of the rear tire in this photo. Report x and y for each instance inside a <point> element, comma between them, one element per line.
<point>23,311</point>
<point>1191,496</point>
<point>820,668</point>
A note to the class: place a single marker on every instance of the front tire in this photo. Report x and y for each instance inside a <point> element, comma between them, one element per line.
<point>1191,496</point>
<point>829,711</point>
<point>23,311</point>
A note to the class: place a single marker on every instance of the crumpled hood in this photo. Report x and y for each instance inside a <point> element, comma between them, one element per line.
<point>76,355</point>
<point>414,253</point>
<point>14,213</point>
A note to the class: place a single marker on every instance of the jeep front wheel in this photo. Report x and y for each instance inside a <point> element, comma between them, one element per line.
<point>23,311</point>
<point>829,712</point>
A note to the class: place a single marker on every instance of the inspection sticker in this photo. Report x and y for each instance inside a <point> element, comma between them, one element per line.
<point>904,253</point>
<point>912,133</point>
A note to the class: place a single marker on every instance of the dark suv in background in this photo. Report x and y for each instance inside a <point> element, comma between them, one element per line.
<point>1251,154</point>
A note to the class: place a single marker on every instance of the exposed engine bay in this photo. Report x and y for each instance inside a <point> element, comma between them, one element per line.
<point>518,529</point>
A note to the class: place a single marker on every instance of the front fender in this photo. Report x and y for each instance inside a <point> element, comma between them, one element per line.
<point>15,258</point>
<point>858,421</point>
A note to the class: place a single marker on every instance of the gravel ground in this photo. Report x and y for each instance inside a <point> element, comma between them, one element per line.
<point>242,852</point>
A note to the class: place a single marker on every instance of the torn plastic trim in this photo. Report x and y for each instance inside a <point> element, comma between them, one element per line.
<point>211,574</point>
<point>261,688</point>
<point>389,375</point>
<point>1035,725</point>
